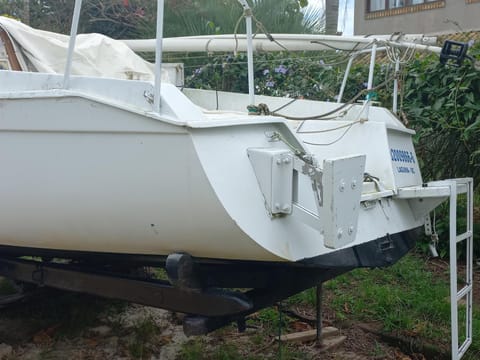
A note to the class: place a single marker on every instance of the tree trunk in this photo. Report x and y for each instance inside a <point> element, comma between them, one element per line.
<point>26,12</point>
<point>331,16</point>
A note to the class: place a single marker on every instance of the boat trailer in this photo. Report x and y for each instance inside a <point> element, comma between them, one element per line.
<point>207,309</point>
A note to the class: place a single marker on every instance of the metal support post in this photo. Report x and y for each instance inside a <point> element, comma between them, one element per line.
<point>247,11</point>
<point>395,88</point>
<point>345,78</point>
<point>371,71</point>
<point>319,293</point>
<point>71,43</point>
<point>158,57</point>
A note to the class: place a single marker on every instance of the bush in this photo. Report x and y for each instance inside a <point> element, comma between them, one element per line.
<point>443,105</point>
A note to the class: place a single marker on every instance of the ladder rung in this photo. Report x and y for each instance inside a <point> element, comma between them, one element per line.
<point>464,236</point>
<point>464,291</point>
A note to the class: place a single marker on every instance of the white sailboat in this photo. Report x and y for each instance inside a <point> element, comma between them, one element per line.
<point>106,165</point>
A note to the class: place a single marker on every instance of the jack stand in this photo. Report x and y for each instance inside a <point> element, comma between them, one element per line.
<point>242,325</point>
<point>319,294</point>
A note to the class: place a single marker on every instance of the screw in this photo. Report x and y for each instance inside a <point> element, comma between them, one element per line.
<point>286,160</point>
<point>286,208</point>
<point>339,233</point>
<point>279,161</point>
<point>350,230</point>
<point>354,184</point>
<point>342,185</point>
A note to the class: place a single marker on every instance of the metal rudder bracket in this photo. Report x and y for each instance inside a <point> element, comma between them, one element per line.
<point>337,190</point>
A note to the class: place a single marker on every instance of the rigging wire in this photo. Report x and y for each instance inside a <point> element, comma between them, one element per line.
<point>347,126</point>
<point>331,112</point>
<point>331,129</point>
<point>270,61</point>
<point>334,141</point>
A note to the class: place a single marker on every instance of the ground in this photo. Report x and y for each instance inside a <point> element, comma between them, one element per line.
<point>51,324</point>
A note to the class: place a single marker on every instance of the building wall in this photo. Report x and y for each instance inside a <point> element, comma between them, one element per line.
<point>433,17</point>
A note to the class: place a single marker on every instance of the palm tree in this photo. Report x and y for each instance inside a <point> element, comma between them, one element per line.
<point>136,18</point>
<point>331,16</point>
<point>191,17</point>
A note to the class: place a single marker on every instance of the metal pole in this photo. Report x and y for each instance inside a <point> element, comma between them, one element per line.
<point>251,83</point>
<point>158,57</point>
<point>71,43</point>
<point>345,77</point>
<point>370,78</point>
<point>248,23</point>
<point>395,88</point>
<point>319,313</point>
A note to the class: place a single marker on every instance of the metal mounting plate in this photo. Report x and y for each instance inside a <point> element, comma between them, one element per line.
<point>274,171</point>
<point>342,190</point>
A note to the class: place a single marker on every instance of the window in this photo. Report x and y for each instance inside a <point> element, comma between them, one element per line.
<point>379,5</point>
<point>396,4</point>
<point>376,5</point>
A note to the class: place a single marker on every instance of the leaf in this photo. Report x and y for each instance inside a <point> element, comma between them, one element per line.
<point>438,104</point>
<point>472,128</point>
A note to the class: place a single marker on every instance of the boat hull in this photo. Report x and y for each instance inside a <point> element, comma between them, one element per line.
<point>79,175</point>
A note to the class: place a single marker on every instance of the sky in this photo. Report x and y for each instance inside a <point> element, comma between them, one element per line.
<point>345,23</point>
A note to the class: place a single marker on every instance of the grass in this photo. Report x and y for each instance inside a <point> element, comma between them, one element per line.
<point>144,332</point>
<point>406,299</point>
<point>202,348</point>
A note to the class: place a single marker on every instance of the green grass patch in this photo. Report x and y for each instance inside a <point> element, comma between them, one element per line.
<point>405,298</point>
<point>144,332</point>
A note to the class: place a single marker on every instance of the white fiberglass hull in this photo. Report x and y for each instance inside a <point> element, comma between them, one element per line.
<point>84,174</point>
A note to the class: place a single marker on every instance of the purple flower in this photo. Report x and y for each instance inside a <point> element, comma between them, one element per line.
<point>270,84</point>
<point>321,62</point>
<point>282,69</point>
<point>266,72</point>
<point>471,43</point>
<point>198,71</point>
<point>365,85</point>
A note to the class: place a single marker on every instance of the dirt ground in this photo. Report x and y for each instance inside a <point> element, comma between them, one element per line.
<point>139,332</point>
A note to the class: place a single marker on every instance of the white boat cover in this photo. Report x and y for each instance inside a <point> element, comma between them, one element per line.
<point>95,54</point>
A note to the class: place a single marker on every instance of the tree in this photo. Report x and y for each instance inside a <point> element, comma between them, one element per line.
<point>137,18</point>
<point>331,16</point>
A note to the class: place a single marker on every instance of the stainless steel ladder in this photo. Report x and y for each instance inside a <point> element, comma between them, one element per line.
<point>460,186</point>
